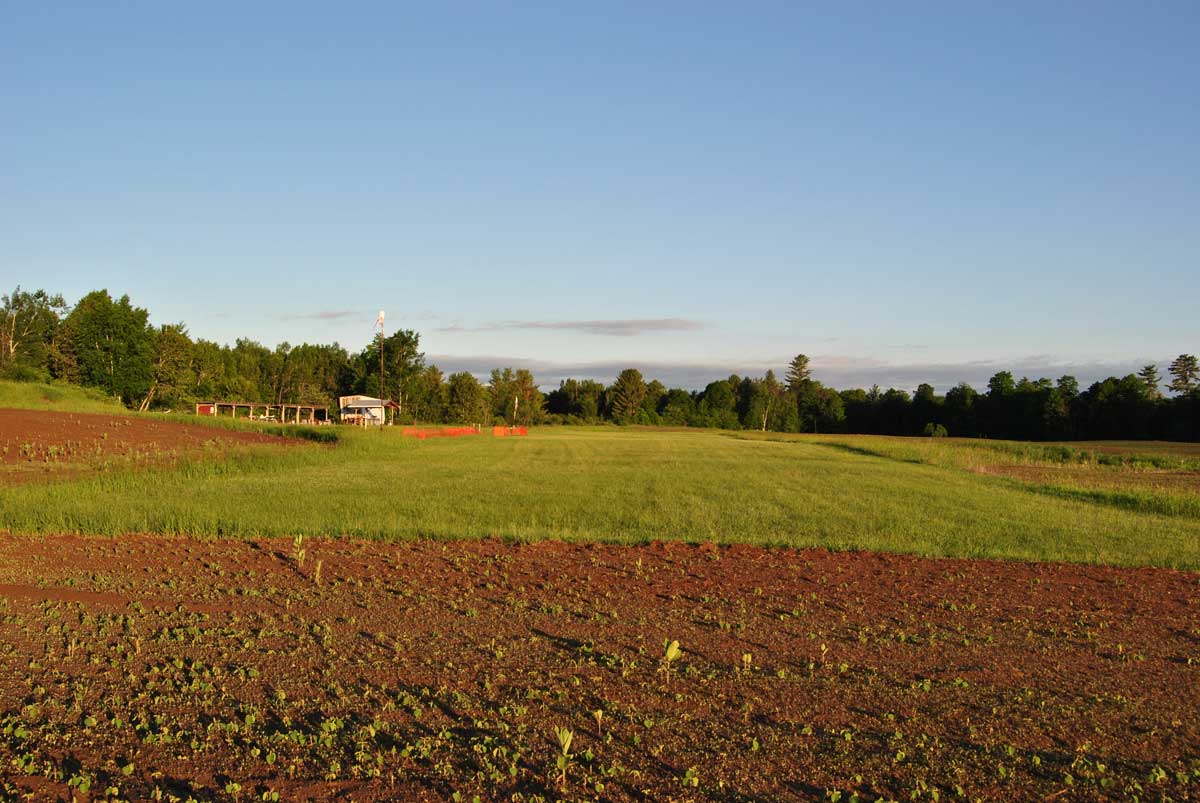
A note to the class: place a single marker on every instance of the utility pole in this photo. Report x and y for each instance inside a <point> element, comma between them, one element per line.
<point>379,323</point>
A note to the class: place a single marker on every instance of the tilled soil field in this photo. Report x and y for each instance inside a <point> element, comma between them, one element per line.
<point>37,443</point>
<point>155,668</point>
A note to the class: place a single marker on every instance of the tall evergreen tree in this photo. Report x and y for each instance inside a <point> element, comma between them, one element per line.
<point>798,374</point>
<point>1150,378</point>
<point>1184,373</point>
<point>626,395</point>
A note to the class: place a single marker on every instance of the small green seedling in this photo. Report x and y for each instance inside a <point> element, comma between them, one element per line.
<point>565,736</point>
<point>671,653</point>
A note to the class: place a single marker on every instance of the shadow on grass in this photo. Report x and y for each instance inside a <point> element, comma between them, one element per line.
<point>1124,500</point>
<point>861,452</point>
<point>841,447</point>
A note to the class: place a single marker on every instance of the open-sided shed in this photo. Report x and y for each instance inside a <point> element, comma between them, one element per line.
<point>258,411</point>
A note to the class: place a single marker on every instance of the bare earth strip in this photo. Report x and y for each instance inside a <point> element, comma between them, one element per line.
<point>40,444</point>
<point>222,670</point>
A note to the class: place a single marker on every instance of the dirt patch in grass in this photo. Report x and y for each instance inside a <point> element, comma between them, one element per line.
<point>223,671</point>
<point>1100,477</point>
<point>1178,449</point>
<point>39,443</point>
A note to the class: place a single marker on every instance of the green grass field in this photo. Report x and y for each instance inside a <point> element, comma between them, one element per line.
<point>622,485</point>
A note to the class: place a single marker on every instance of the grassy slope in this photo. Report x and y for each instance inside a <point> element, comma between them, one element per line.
<point>66,398</point>
<point>57,396</point>
<point>614,485</point>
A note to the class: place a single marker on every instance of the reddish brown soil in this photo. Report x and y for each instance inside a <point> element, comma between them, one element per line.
<point>1180,449</point>
<point>418,670</point>
<point>1113,479</point>
<point>36,443</point>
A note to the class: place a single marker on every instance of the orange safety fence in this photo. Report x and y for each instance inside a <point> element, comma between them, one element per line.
<point>448,432</point>
<point>454,432</point>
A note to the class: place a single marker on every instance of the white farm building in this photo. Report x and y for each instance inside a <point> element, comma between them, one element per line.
<point>365,411</point>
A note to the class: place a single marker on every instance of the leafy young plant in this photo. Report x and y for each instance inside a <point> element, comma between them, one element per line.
<point>565,736</point>
<point>671,653</point>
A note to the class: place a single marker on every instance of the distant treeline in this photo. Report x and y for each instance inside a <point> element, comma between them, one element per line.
<point>109,344</point>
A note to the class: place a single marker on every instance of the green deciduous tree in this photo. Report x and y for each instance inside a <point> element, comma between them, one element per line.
<point>170,366</point>
<point>960,410</point>
<point>106,344</point>
<point>429,395</point>
<point>515,397</point>
<point>763,400</point>
<point>677,408</point>
<point>577,399</point>
<point>529,402</point>
<point>927,406</point>
<point>467,400</point>
<point>208,371</point>
<point>718,406</point>
<point>655,393</point>
<point>824,409</point>
<point>402,362</point>
<point>28,323</point>
<point>502,389</point>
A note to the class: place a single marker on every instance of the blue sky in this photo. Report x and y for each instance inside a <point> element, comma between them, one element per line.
<point>902,191</point>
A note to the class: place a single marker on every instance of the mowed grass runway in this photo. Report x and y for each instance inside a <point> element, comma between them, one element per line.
<point>615,485</point>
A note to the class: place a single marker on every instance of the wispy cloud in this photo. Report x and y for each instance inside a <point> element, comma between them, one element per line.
<point>616,328</point>
<point>326,315</point>
<point>840,372</point>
